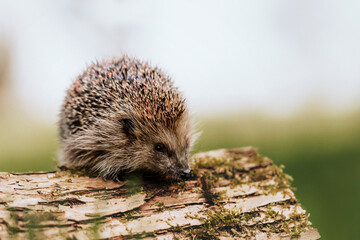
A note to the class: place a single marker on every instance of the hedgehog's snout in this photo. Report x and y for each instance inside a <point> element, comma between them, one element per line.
<point>185,174</point>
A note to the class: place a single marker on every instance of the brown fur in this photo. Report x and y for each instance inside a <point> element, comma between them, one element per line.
<point>116,112</point>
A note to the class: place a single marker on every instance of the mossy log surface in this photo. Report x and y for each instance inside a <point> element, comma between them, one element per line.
<point>233,194</point>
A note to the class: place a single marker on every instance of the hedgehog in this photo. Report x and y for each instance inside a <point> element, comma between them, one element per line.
<point>122,115</point>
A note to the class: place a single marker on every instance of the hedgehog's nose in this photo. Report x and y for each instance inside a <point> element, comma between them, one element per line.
<point>185,174</point>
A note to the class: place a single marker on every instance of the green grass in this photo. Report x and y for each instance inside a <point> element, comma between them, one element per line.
<point>321,151</point>
<point>26,145</point>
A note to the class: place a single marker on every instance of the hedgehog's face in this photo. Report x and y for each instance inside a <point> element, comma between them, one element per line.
<point>169,152</point>
<point>172,160</point>
<point>163,150</point>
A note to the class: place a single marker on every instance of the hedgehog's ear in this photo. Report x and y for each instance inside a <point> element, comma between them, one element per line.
<point>128,128</point>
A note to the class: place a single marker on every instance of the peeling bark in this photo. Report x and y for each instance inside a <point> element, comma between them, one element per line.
<point>234,194</point>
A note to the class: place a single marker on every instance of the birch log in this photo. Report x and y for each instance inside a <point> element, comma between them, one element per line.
<point>233,194</point>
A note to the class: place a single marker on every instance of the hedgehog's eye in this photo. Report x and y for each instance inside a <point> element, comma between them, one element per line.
<point>159,147</point>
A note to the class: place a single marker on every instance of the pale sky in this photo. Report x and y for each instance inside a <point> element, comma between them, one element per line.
<point>271,56</point>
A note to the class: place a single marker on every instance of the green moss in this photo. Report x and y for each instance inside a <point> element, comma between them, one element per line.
<point>222,222</point>
<point>130,215</point>
<point>160,205</point>
<point>175,228</point>
<point>219,222</point>
<point>33,223</point>
<point>138,235</point>
<point>178,187</point>
<point>13,226</point>
<point>75,172</point>
<point>95,227</point>
<point>29,222</point>
<point>133,184</point>
<point>232,168</point>
<point>210,162</point>
<point>207,183</point>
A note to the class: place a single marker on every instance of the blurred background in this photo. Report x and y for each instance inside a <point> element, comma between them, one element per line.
<point>283,76</point>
